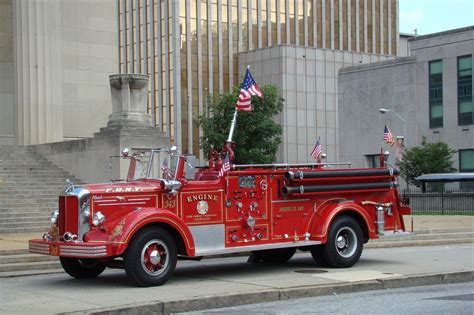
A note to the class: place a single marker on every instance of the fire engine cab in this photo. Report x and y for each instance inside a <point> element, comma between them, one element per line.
<point>167,209</point>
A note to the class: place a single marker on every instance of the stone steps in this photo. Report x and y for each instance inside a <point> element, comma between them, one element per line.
<point>30,188</point>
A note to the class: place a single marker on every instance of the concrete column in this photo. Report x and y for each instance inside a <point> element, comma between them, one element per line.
<point>38,71</point>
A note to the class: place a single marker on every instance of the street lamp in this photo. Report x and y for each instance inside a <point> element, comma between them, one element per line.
<point>385,110</point>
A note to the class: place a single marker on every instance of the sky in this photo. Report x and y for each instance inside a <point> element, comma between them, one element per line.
<point>432,16</point>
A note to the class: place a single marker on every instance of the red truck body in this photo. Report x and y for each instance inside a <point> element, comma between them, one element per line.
<point>145,224</point>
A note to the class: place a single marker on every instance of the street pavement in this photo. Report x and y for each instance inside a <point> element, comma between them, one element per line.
<point>224,282</point>
<point>215,283</point>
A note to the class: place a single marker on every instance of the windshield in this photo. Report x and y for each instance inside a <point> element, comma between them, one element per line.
<point>152,164</point>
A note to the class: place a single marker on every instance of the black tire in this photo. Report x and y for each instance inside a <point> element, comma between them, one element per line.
<point>344,245</point>
<point>317,253</point>
<point>150,258</point>
<point>82,268</point>
<point>279,255</point>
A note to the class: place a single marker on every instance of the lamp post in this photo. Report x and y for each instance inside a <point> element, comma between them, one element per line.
<point>385,110</point>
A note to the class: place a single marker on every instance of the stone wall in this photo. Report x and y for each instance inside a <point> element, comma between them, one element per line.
<point>307,79</point>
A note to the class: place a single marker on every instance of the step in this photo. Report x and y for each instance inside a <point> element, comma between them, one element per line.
<point>23,215</point>
<point>448,235</point>
<point>20,220</point>
<point>42,265</point>
<point>25,258</point>
<point>412,243</point>
<point>24,224</point>
<point>8,252</point>
<point>10,274</point>
<point>33,208</point>
<point>40,230</point>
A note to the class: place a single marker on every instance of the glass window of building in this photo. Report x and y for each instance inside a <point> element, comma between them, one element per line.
<point>436,93</point>
<point>466,164</point>
<point>465,104</point>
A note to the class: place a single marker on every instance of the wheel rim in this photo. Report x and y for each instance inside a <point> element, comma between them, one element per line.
<point>346,242</point>
<point>155,258</point>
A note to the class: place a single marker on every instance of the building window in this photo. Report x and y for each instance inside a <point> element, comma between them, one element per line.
<point>466,160</point>
<point>466,164</point>
<point>465,104</point>
<point>373,160</point>
<point>436,93</point>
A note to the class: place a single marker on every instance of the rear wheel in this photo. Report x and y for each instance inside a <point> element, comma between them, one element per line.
<point>82,268</point>
<point>344,244</point>
<point>151,257</point>
<point>280,255</point>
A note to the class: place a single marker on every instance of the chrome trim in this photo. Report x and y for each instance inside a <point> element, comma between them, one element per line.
<point>241,249</point>
<point>83,255</point>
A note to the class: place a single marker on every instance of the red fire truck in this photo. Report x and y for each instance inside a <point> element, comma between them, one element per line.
<point>168,210</point>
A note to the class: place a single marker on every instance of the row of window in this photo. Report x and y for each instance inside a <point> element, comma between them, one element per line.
<point>466,160</point>
<point>464,92</point>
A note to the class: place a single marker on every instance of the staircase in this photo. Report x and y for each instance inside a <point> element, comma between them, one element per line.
<point>29,188</point>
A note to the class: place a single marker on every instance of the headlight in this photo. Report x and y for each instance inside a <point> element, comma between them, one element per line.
<point>54,216</point>
<point>98,218</point>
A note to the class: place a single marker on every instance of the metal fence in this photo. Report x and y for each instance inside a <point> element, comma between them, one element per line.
<point>442,202</point>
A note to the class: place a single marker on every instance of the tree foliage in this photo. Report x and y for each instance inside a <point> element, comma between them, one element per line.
<point>256,135</point>
<point>425,159</point>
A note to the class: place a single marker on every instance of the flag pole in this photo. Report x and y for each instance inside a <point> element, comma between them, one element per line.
<point>234,122</point>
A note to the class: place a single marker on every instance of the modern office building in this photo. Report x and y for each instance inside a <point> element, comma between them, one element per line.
<point>193,49</point>
<point>429,95</point>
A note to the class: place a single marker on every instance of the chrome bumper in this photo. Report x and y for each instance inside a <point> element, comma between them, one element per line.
<point>78,250</point>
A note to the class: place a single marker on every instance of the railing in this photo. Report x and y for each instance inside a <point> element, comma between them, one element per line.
<point>452,202</point>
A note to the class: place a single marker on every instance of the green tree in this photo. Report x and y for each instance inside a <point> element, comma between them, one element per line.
<point>256,135</point>
<point>425,159</point>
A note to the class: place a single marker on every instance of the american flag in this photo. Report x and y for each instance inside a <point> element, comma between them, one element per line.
<point>225,167</point>
<point>387,136</point>
<point>167,174</point>
<point>318,149</point>
<point>249,88</point>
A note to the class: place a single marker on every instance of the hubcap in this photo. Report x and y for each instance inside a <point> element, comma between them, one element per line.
<point>155,257</point>
<point>346,242</point>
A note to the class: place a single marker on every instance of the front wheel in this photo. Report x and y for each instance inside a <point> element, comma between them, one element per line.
<point>151,257</point>
<point>344,244</point>
<point>82,268</point>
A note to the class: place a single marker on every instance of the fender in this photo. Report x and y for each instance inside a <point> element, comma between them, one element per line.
<point>328,212</point>
<point>134,221</point>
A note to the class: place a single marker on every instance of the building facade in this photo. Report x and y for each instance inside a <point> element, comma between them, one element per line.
<point>431,91</point>
<point>193,49</point>
<point>55,58</point>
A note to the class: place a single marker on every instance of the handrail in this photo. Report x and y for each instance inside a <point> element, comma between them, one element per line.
<point>288,165</point>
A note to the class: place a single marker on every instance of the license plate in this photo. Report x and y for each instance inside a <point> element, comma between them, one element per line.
<point>54,250</point>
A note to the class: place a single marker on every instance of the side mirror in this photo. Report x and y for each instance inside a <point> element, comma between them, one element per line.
<point>386,155</point>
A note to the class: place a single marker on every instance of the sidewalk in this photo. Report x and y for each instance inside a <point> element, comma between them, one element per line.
<point>421,223</point>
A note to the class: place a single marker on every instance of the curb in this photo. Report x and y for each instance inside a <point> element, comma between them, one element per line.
<point>272,295</point>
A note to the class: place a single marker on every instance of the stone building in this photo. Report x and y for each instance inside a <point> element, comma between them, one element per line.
<point>431,91</point>
<point>55,59</point>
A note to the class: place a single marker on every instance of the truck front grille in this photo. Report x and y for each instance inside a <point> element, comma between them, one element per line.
<point>68,214</point>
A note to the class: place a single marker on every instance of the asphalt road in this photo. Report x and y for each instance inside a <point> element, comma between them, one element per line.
<point>232,281</point>
<point>434,299</point>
